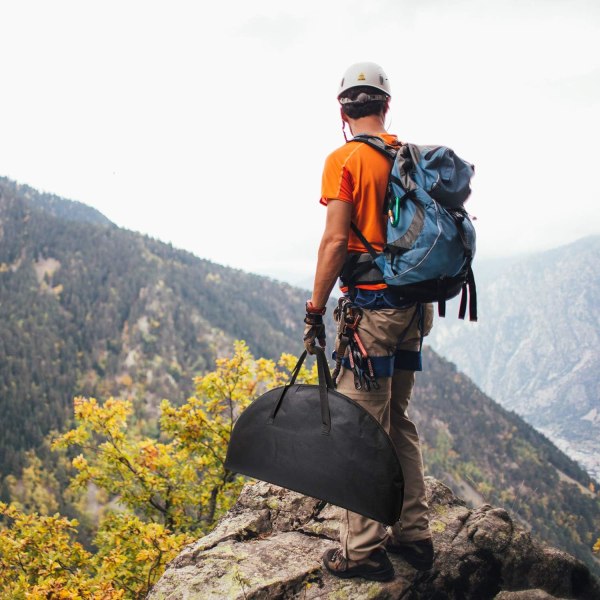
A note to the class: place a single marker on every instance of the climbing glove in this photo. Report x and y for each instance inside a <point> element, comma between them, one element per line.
<point>315,328</point>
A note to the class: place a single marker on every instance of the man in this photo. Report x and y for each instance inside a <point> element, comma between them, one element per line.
<point>391,329</point>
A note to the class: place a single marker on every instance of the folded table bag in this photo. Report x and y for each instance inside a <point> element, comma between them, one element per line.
<point>316,441</point>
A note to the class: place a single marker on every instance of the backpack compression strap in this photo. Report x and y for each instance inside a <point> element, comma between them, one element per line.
<point>470,286</point>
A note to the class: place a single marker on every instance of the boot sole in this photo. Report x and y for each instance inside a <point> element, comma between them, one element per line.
<point>386,575</point>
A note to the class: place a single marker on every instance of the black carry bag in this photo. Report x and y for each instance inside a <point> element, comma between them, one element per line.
<point>316,441</point>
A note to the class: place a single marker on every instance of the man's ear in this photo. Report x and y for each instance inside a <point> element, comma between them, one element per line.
<point>343,115</point>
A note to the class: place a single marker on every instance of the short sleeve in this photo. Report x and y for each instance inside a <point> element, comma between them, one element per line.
<point>337,182</point>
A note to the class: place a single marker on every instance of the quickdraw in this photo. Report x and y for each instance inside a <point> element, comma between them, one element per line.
<point>348,316</point>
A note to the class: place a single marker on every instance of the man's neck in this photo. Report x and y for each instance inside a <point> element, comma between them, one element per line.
<point>371,125</point>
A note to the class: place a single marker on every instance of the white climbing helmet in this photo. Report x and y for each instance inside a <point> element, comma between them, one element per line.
<point>365,73</point>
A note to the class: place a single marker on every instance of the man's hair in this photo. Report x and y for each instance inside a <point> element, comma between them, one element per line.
<point>363,109</point>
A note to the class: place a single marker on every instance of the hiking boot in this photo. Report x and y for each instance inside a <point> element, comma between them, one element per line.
<point>418,554</point>
<point>376,567</point>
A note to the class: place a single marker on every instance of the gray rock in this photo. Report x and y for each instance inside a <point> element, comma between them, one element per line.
<point>269,546</point>
<point>526,595</point>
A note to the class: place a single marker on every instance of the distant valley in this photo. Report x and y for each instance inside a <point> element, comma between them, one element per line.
<point>536,346</point>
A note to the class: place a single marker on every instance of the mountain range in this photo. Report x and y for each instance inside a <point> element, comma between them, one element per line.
<point>89,308</point>
<point>535,347</point>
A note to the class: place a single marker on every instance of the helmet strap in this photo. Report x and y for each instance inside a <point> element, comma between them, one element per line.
<point>388,121</point>
<point>344,130</point>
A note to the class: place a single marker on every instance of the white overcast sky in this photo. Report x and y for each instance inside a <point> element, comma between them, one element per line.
<point>205,124</point>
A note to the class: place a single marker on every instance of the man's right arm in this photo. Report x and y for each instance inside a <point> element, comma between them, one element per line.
<point>332,254</point>
<point>332,250</point>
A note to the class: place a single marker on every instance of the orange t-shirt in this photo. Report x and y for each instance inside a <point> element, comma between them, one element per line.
<point>358,174</point>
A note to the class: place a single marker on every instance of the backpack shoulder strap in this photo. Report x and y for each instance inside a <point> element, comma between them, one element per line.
<point>390,152</point>
<point>377,143</point>
<point>403,158</point>
<point>363,239</point>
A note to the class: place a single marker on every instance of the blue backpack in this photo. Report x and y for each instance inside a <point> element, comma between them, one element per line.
<point>430,240</point>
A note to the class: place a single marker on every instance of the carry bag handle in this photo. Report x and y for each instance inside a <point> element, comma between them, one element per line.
<point>325,384</point>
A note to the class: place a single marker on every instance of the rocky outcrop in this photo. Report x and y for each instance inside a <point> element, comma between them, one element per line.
<point>270,545</point>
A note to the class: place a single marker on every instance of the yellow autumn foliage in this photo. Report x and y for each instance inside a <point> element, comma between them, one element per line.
<point>162,493</point>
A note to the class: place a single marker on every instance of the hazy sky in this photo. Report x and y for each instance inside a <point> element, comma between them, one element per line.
<point>206,124</point>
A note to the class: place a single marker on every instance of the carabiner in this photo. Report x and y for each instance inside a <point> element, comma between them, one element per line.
<point>394,212</point>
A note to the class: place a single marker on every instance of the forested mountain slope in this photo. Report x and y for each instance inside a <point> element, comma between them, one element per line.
<point>69,210</point>
<point>88,308</point>
<point>535,347</point>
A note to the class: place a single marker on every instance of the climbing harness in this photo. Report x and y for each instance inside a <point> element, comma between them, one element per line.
<point>348,316</point>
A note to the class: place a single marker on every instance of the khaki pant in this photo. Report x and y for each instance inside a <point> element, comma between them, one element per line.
<point>380,332</point>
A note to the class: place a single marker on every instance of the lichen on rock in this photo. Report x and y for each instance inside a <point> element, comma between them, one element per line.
<point>269,546</point>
